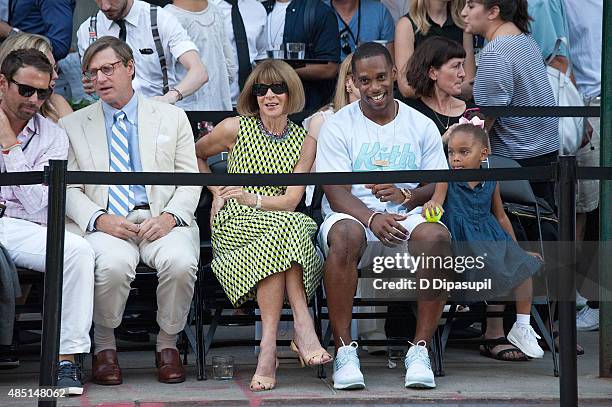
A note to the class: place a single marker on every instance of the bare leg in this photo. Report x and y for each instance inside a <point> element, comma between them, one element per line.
<point>270,296</point>
<point>346,241</point>
<point>428,315</point>
<point>430,240</point>
<point>524,295</point>
<point>305,336</point>
<point>495,330</point>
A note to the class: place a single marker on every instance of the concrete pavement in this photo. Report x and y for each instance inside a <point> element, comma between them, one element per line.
<point>470,380</point>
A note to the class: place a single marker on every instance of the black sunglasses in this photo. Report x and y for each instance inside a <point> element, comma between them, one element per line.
<point>344,44</point>
<point>26,91</point>
<point>260,89</point>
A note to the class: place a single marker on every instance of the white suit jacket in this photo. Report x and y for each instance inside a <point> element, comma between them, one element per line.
<point>166,144</point>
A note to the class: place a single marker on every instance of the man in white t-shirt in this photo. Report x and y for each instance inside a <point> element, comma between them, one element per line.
<point>377,133</point>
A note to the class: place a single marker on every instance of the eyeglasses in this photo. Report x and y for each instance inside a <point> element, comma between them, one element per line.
<point>344,44</point>
<point>26,91</point>
<point>260,89</point>
<point>107,69</point>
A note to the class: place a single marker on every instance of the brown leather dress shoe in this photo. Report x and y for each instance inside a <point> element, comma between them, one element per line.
<point>105,368</point>
<point>169,366</point>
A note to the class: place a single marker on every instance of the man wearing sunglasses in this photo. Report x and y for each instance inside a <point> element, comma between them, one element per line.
<point>127,224</point>
<point>28,141</point>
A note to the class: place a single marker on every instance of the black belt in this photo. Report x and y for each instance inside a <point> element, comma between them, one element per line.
<point>139,207</point>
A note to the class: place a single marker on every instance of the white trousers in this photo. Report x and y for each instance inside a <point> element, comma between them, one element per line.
<point>26,243</point>
<point>174,257</point>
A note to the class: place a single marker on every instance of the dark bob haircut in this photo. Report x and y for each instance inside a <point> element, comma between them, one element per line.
<point>432,53</point>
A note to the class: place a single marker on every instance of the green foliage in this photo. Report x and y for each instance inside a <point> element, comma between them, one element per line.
<point>76,105</point>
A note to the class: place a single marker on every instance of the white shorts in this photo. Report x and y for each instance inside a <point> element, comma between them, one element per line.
<point>374,248</point>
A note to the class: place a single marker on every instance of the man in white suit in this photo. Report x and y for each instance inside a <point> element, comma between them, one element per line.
<point>126,224</point>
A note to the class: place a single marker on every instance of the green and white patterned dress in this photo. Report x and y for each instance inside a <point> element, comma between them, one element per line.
<point>249,244</point>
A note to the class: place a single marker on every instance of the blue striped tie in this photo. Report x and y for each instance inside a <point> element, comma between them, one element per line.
<point>120,197</point>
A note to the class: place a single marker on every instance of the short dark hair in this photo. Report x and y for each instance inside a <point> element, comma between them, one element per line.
<point>369,50</point>
<point>432,53</point>
<point>20,58</point>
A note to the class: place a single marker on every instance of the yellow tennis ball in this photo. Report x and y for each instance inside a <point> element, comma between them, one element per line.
<point>434,215</point>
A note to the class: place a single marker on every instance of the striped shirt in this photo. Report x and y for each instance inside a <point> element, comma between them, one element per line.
<point>41,141</point>
<point>511,72</point>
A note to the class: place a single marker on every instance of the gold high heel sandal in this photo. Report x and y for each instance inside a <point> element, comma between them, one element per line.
<point>311,357</point>
<point>266,383</point>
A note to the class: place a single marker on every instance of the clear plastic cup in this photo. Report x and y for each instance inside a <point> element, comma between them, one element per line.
<point>296,50</point>
<point>275,53</point>
<point>223,367</point>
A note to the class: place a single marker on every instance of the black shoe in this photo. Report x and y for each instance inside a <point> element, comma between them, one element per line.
<point>69,378</point>
<point>9,359</point>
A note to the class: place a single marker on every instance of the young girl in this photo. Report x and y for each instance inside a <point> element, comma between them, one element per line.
<point>474,214</point>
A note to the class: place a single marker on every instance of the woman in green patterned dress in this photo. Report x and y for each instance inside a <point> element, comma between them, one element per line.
<point>262,249</point>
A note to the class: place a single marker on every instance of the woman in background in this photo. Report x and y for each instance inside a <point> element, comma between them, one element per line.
<point>346,92</point>
<point>426,19</point>
<point>55,107</point>
<point>204,22</point>
<point>435,73</point>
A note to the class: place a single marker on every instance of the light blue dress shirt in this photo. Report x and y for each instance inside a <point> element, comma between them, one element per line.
<point>548,24</point>
<point>131,113</point>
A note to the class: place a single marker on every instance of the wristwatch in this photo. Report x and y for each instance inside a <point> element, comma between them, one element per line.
<point>14,31</point>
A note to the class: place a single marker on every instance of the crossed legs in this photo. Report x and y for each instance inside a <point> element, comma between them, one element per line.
<point>270,297</point>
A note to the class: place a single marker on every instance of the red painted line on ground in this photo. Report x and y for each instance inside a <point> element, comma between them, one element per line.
<point>84,399</point>
<point>252,397</point>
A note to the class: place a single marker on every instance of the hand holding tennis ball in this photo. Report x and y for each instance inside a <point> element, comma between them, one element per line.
<point>432,211</point>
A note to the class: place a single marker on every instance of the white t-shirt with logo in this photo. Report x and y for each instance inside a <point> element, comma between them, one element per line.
<point>350,142</point>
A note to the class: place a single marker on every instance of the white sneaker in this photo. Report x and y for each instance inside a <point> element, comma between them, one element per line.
<point>524,337</point>
<point>587,319</point>
<point>418,367</point>
<point>581,302</point>
<point>347,371</point>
